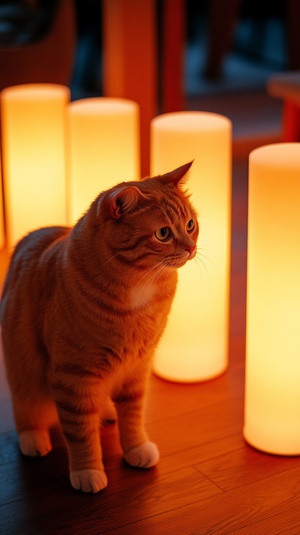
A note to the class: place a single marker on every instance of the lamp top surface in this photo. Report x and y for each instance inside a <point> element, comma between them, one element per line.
<point>35,92</point>
<point>103,105</point>
<point>191,120</point>
<point>277,155</point>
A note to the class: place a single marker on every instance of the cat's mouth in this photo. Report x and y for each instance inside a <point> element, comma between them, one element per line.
<point>179,261</point>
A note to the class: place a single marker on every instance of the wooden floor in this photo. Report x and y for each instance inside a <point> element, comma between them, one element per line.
<point>208,481</point>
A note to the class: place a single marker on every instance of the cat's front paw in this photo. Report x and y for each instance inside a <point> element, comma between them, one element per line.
<point>88,480</point>
<point>35,443</point>
<point>144,456</point>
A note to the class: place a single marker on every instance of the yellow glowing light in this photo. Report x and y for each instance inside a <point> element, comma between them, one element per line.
<point>103,148</point>
<point>195,344</point>
<point>33,131</point>
<point>272,399</point>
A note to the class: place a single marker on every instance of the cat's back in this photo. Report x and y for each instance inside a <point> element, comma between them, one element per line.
<point>26,269</point>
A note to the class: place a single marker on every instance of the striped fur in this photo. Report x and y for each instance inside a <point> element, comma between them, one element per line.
<point>82,311</point>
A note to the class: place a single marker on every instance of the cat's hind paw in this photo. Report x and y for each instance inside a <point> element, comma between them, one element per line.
<point>88,480</point>
<point>144,456</point>
<point>35,443</point>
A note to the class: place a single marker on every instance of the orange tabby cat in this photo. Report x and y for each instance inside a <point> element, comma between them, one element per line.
<point>82,312</point>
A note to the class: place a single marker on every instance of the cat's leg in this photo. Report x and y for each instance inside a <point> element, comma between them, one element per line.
<point>33,421</point>
<point>138,450</point>
<point>33,406</point>
<point>79,412</point>
<point>109,413</point>
<point>35,443</point>
<point>82,434</point>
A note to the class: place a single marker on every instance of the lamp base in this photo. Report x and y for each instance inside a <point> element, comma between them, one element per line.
<point>183,373</point>
<point>282,446</point>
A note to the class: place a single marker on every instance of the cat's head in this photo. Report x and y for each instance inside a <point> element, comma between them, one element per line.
<point>151,222</point>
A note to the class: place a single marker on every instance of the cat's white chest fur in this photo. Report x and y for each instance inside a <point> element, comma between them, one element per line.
<point>142,294</point>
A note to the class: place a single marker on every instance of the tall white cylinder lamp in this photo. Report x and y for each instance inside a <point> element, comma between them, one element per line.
<point>103,148</point>
<point>272,398</point>
<point>33,135</point>
<point>194,346</point>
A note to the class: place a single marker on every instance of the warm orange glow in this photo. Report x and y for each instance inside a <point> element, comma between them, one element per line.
<point>33,129</point>
<point>272,402</point>
<point>2,235</point>
<point>103,148</point>
<point>195,344</point>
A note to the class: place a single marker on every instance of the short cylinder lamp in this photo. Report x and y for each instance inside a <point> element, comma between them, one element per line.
<point>194,346</point>
<point>272,398</point>
<point>103,148</point>
<point>33,134</point>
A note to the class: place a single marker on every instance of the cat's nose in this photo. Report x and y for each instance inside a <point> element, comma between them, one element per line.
<point>190,249</point>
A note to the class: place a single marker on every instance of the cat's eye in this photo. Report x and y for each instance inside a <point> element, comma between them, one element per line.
<point>163,234</point>
<point>190,225</point>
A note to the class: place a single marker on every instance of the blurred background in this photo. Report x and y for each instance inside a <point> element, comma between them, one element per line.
<point>229,51</point>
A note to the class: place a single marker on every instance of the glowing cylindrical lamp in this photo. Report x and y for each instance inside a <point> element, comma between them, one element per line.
<point>272,398</point>
<point>103,148</point>
<point>33,132</point>
<point>194,346</point>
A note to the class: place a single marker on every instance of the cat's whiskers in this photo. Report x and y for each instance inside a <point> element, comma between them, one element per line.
<point>164,264</point>
<point>152,272</point>
<point>111,258</point>
<point>200,249</point>
<point>156,275</point>
<point>150,277</point>
<point>198,261</point>
<point>165,280</point>
<point>145,288</point>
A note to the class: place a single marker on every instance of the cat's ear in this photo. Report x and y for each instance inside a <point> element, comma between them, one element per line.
<point>178,176</point>
<point>123,200</point>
